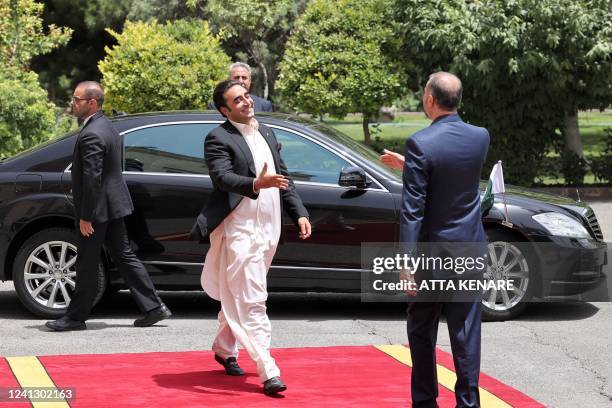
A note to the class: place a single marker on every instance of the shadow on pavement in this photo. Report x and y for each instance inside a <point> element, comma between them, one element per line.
<point>289,306</point>
<point>558,311</point>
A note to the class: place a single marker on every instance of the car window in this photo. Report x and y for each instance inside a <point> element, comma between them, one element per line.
<point>364,151</point>
<point>308,161</point>
<point>176,148</point>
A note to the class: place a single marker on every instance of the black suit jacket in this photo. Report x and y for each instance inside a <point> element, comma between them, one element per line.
<point>232,170</point>
<point>259,104</point>
<point>99,190</point>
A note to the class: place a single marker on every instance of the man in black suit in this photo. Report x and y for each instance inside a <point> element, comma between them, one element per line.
<point>241,72</point>
<point>243,219</point>
<point>101,200</point>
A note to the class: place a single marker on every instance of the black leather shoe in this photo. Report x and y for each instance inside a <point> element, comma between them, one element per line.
<point>153,316</point>
<point>273,386</point>
<point>231,365</point>
<point>65,323</point>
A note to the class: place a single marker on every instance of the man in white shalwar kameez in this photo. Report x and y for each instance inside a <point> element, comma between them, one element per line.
<point>247,170</point>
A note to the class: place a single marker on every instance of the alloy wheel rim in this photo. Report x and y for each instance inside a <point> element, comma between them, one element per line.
<point>50,273</point>
<point>506,262</point>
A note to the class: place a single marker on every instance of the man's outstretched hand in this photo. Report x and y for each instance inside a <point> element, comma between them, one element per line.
<point>265,180</point>
<point>392,159</point>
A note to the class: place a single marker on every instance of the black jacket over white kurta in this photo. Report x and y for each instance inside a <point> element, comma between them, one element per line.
<point>232,170</point>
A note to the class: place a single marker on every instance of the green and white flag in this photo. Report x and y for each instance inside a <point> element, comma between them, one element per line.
<point>495,185</point>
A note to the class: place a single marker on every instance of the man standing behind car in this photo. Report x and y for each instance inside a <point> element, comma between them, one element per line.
<point>241,72</point>
<point>101,200</point>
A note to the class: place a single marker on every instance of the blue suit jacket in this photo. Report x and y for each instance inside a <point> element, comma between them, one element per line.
<point>441,198</point>
<point>259,104</point>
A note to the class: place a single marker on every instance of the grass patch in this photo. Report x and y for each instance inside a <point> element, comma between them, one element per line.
<point>393,135</point>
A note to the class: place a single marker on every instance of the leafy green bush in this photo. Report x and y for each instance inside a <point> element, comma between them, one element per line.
<point>573,168</point>
<point>408,103</point>
<point>159,67</point>
<point>26,116</point>
<point>602,165</point>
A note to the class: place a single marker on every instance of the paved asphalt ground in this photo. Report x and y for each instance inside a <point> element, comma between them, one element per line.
<point>558,353</point>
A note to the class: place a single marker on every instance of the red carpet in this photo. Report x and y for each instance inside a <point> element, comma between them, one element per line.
<point>316,377</point>
<point>8,381</point>
<point>510,395</point>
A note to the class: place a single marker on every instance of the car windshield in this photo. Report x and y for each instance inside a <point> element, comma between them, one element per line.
<point>364,151</point>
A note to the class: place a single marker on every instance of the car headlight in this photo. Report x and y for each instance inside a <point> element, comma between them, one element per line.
<point>561,225</point>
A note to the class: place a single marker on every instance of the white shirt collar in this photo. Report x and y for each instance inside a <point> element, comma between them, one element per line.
<point>87,118</point>
<point>246,129</point>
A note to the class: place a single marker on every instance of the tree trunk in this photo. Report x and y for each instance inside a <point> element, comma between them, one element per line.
<point>264,71</point>
<point>573,141</point>
<point>366,129</point>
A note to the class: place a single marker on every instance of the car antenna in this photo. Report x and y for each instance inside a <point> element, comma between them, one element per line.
<point>578,195</point>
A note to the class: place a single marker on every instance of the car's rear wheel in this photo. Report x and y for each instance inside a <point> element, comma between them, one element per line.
<point>44,272</point>
<point>507,261</point>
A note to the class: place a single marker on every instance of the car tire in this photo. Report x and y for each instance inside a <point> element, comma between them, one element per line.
<point>44,289</point>
<point>504,253</point>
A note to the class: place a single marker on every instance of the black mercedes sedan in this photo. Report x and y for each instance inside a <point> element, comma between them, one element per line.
<point>352,198</point>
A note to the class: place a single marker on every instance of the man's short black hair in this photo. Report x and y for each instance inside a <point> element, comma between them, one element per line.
<point>93,90</point>
<point>221,88</point>
<point>446,89</point>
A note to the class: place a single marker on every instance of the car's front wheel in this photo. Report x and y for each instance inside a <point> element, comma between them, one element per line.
<point>507,261</point>
<point>44,272</point>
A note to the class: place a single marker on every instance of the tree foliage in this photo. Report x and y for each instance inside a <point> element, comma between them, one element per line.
<point>163,66</point>
<point>523,63</point>
<point>336,60</point>
<point>255,32</point>
<point>26,115</point>
<point>22,36</point>
<point>165,10</point>
<point>64,67</point>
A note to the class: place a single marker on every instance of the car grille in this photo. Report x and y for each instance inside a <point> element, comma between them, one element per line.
<point>594,225</point>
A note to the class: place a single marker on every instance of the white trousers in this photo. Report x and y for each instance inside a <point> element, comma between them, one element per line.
<point>234,273</point>
<point>252,331</point>
<point>247,324</point>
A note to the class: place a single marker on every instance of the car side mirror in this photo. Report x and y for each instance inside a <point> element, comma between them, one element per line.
<point>132,164</point>
<point>351,176</point>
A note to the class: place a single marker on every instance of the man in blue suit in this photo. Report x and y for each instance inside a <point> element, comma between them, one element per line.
<point>441,204</point>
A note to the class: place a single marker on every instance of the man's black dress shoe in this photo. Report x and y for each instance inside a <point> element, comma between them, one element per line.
<point>231,365</point>
<point>273,386</point>
<point>153,316</point>
<point>66,324</point>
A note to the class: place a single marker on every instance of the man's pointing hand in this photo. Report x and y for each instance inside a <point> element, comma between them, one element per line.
<point>265,180</point>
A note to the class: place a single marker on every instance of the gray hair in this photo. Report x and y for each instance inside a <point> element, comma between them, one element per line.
<point>446,88</point>
<point>239,65</point>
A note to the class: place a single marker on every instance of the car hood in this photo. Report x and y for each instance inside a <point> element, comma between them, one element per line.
<point>539,201</point>
<point>531,200</point>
